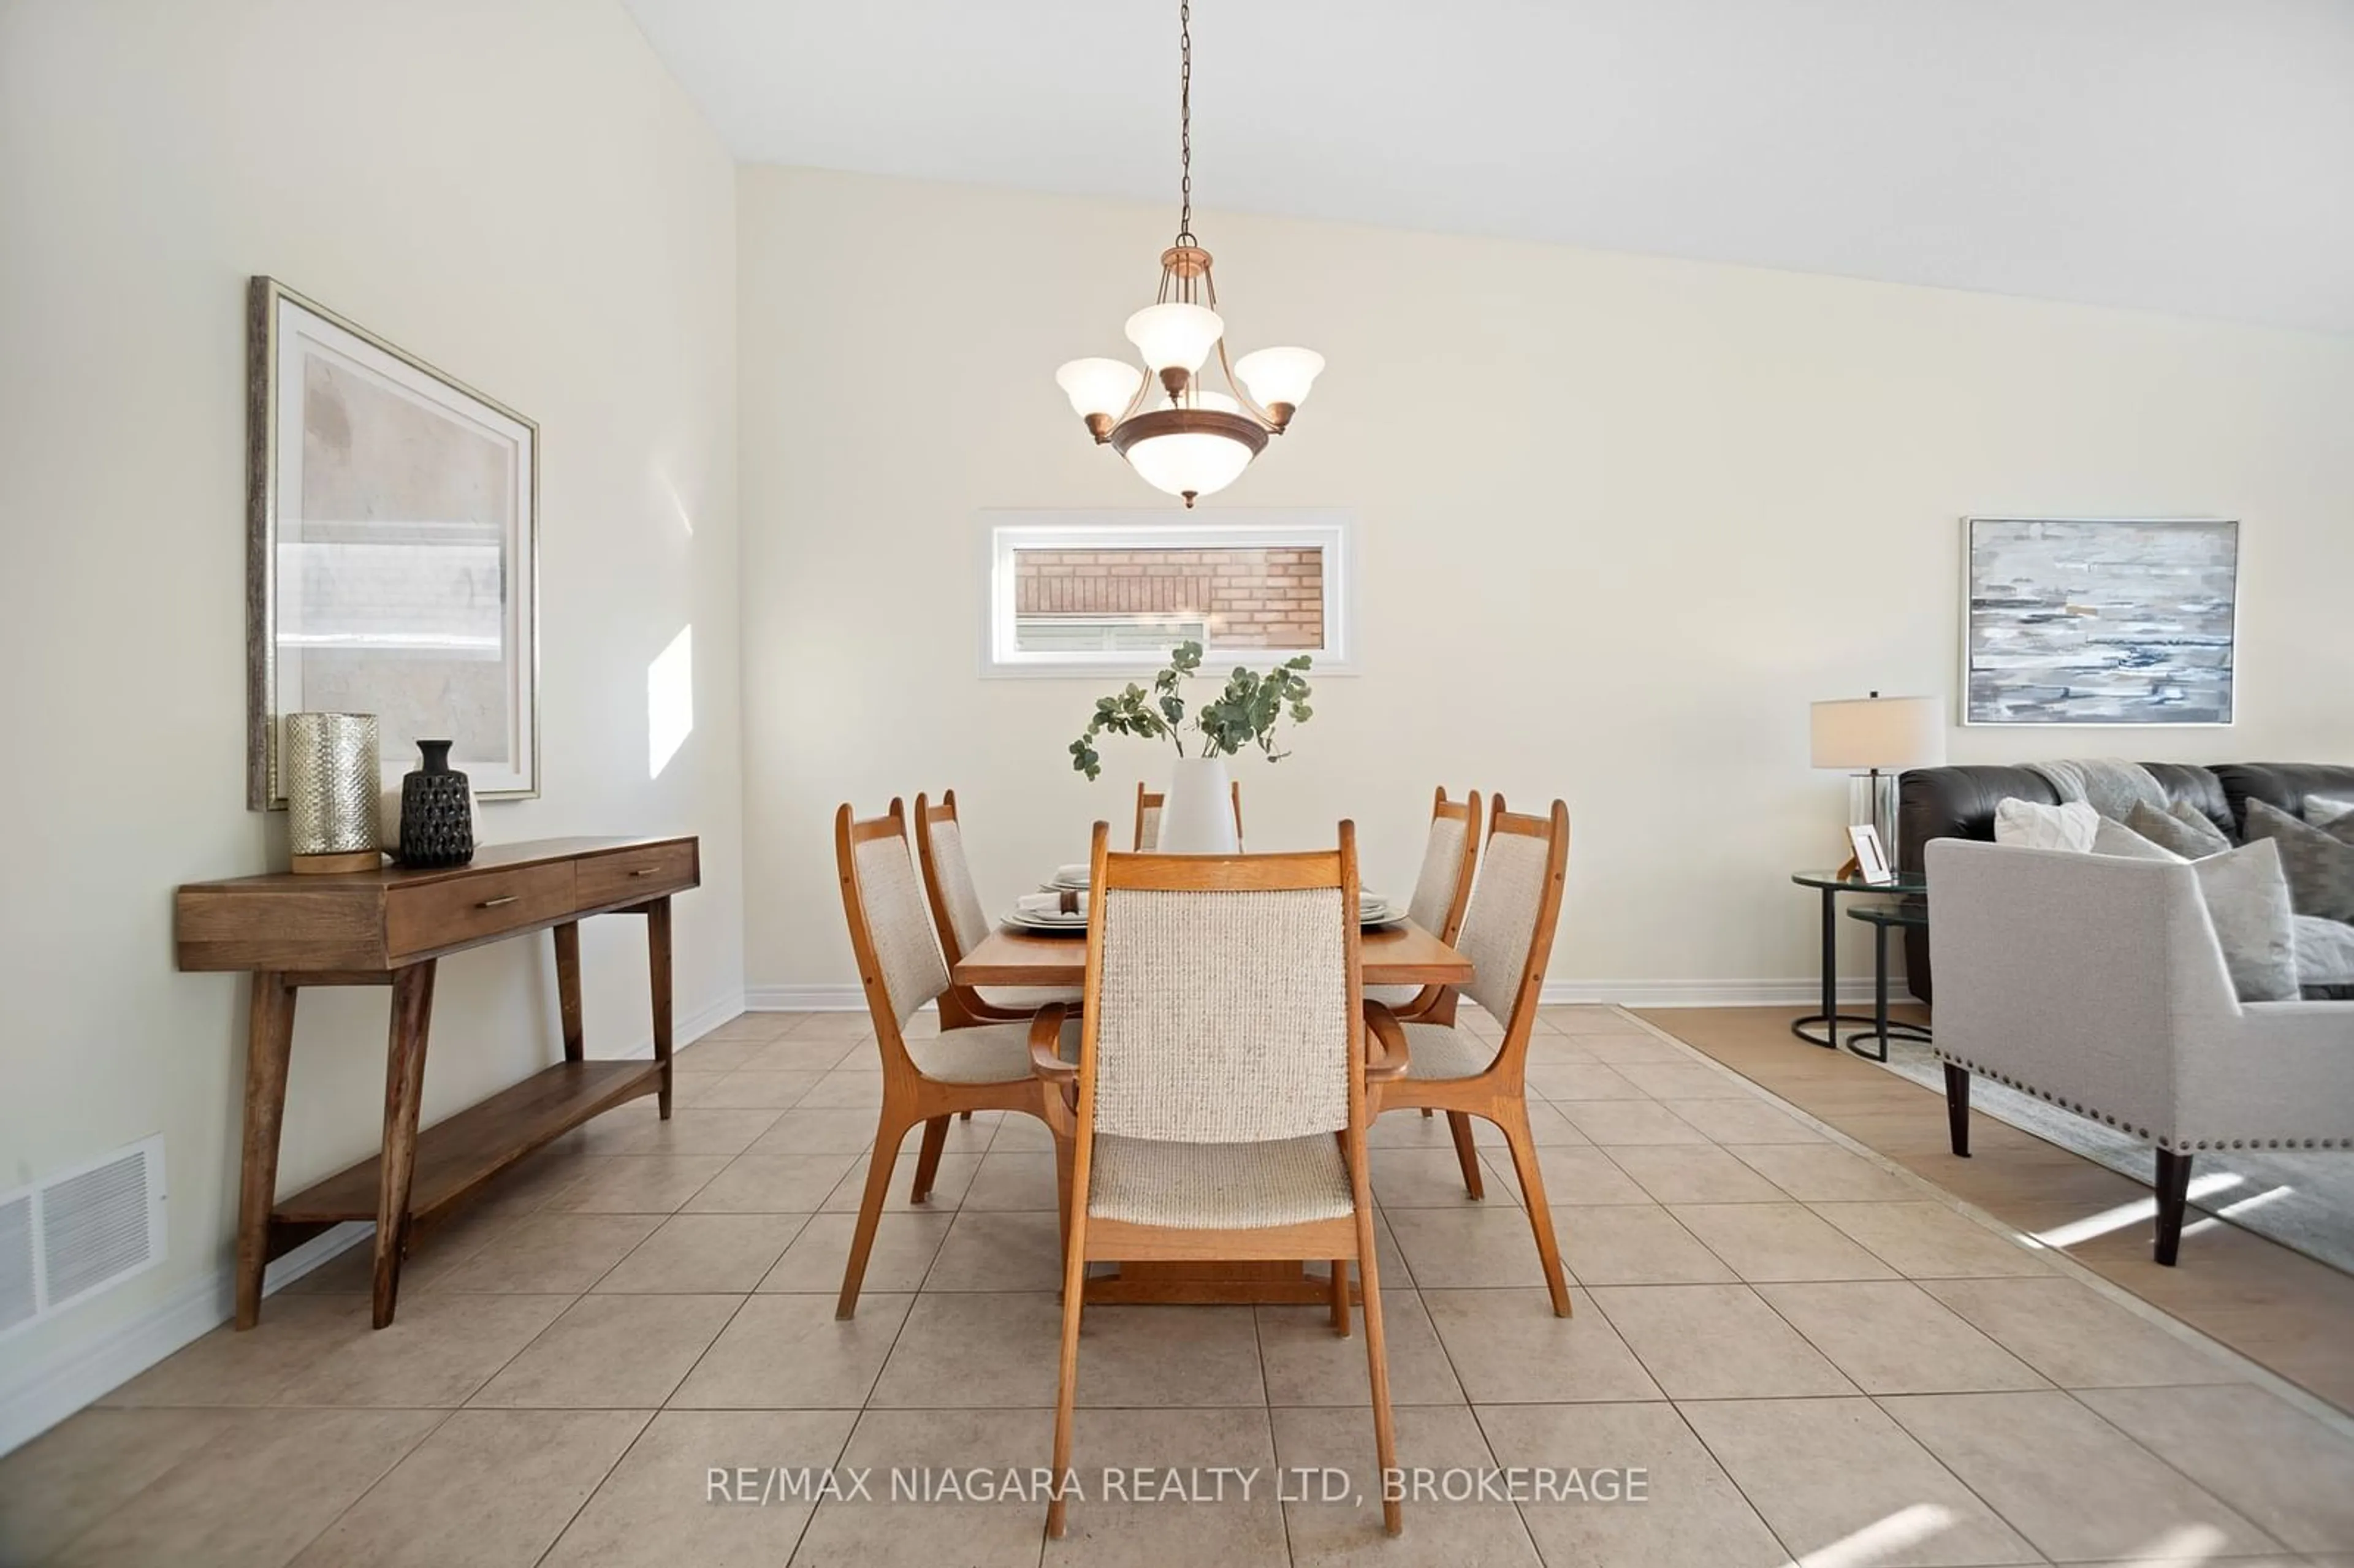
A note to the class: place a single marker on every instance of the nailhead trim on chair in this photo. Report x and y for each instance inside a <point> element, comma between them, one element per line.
<point>2175,1141</point>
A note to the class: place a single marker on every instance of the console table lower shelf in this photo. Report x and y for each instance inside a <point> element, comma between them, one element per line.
<point>455,1156</point>
<point>390,927</point>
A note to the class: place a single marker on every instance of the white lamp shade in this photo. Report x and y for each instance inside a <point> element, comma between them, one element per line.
<point>1098,386</point>
<point>1886,733</point>
<point>1189,461</point>
<point>1279,374</point>
<point>1178,334</point>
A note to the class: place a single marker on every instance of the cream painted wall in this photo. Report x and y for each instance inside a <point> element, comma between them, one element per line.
<point>1621,519</point>
<point>516,192</point>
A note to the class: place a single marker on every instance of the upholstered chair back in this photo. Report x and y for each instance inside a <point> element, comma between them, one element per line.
<point>881,891</point>
<point>965,923</point>
<point>1442,867</point>
<point>1220,1010</point>
<point>1508,920</point>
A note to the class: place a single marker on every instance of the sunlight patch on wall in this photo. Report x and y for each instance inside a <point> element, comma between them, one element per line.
<point>670,701</point>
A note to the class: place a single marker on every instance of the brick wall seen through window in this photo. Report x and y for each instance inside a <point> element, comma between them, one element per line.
<point>1246,597</point>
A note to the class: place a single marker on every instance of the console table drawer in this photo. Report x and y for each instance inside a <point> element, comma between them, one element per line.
<point>634,873</point>
<point>432,916</point>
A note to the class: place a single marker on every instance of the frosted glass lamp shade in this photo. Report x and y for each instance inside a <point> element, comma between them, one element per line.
<point>1175,335</point>
<point>1190,462</point>
<point>1098,387</point>
<point>1273,375</point>
<point>1885,733</point>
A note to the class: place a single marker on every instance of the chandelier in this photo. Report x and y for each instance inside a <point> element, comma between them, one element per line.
<point>1181,434</point>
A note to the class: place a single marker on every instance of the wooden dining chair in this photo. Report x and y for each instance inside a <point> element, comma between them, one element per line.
<point>962,923</point>
<point>1507,936</point>
<point>1147,817</point>
<point>927,1080</point>
<point>1220,1100</point>
<point>1441,893</point>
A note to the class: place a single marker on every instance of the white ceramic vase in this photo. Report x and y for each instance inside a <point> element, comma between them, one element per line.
<point>1198,817</point>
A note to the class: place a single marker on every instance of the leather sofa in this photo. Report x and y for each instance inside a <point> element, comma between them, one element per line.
<point>1960,802</point>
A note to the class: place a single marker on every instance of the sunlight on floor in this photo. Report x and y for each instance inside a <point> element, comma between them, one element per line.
<point>2186,1547</point>
<point>1883,1540</point>
<point>2232,1210</point>
<point>2125,1214</point>
<point>670,701</point>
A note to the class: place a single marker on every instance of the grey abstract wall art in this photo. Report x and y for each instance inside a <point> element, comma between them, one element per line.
<point>2078,621</point>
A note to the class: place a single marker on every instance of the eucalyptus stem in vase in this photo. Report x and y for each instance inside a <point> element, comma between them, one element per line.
<point>1246,712</point>
<point>1197,816</point>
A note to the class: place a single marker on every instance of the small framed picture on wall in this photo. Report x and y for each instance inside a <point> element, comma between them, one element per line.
<point>1871,859</point>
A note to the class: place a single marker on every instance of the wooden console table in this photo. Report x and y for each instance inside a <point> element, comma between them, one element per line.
<point>388,927</point>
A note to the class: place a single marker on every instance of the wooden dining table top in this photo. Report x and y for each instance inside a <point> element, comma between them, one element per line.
<point>1404,954</point>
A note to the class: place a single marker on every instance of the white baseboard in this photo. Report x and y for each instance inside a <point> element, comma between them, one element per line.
<point>36,1398</point>
<point>1557,993</point>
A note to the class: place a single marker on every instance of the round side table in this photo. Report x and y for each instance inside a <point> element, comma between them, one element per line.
<point>1910,912</point>
<point>1831,1017</point>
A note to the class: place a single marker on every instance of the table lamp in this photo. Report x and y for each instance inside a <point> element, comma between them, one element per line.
<point>1881,737</point>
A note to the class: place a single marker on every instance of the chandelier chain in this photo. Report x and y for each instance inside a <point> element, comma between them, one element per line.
<point>1185,122</point>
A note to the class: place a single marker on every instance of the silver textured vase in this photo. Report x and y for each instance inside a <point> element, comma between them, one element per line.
<point>334,797</point>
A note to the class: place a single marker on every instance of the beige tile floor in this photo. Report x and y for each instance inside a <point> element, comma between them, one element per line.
<point>1801,1347</point>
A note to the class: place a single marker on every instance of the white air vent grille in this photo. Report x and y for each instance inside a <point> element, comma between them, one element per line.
<point>80,1232</point>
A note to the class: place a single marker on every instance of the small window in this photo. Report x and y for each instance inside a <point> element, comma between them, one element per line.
<point>1098,593</point>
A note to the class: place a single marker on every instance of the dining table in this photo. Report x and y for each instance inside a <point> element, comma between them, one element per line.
<point>1399,954</point>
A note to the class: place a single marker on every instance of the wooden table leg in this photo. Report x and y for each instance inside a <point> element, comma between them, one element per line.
<point>567,989</point>
<point>657,962</point>
<point>269,1040</point>
<point>404,1085</point>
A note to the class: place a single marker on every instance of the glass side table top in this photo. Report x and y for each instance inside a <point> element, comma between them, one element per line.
<point>1831,883</point>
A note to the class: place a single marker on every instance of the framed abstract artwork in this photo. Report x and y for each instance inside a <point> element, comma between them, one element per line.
<point>392,562</point>
<point>2099,621</point>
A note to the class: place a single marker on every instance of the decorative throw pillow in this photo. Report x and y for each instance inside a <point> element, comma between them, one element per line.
<point>2181,827</point>
<point>2324,952</point>
<point>2248,904</point>
<point>2116,837</point>
<point>2029,826</point>
<point>2318,863</point>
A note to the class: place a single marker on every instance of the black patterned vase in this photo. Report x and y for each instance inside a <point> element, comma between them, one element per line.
<point>437,811</point>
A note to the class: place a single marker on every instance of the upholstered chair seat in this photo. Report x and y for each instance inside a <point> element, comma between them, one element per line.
<point>985,1053</point>
<point>1219,1186</point>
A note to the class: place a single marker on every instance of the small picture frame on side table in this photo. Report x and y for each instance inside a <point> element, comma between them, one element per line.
<point>1869,864</point>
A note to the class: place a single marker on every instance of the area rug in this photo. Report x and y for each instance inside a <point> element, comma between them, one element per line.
<point>2303,1200</point>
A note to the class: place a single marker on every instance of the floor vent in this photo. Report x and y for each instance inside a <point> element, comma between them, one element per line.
<point>80,1232</point>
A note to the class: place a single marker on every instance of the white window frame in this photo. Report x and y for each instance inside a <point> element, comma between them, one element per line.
<point>1002,534</point>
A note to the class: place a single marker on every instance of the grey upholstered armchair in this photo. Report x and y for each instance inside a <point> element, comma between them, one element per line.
<point>2097,983</point>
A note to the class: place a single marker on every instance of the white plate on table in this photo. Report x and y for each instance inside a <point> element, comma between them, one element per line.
<point>1046,920</point>
<point>1379,914</point>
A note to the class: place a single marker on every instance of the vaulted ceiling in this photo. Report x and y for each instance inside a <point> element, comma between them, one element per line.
<point>2194,156</point>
